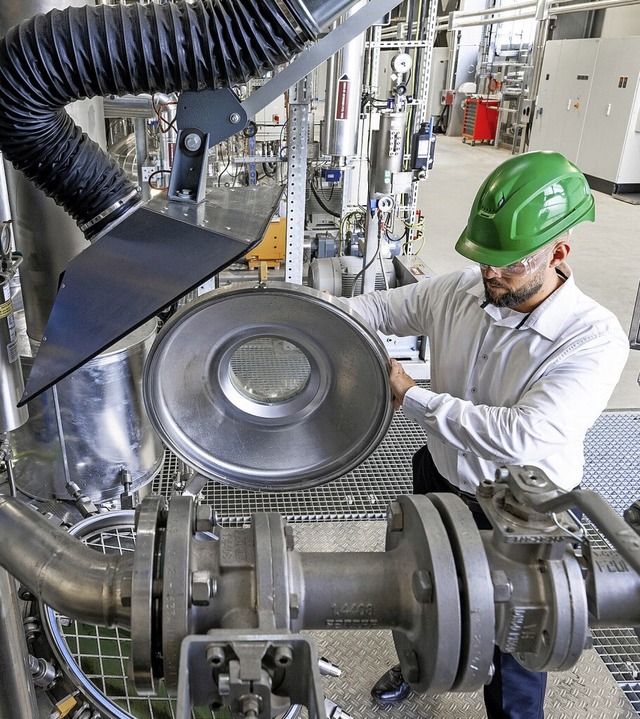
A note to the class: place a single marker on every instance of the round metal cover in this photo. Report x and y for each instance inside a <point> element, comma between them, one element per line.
<point>275,387</point>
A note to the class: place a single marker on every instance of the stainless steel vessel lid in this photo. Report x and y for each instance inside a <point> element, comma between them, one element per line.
<point>274,387</point>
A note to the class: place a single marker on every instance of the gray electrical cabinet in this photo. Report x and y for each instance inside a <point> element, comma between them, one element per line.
<point>588,109</point>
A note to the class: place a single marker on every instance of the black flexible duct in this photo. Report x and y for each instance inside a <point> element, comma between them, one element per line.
<point>54,59</point>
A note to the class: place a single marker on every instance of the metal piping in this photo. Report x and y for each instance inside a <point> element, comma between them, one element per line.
<point>505,13</point>
<point>17,693</point>
<point>501,9</point>
<point>53,59</point>
<point>492,20</point>
<point>67,575</point>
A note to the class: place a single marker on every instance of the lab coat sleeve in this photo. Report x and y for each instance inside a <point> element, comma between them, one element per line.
<point>558,408</point>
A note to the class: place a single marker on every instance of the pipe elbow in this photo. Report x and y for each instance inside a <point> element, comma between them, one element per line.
<point>62,571</point>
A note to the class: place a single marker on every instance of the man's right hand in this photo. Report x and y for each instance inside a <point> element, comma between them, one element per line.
<point>400,382</point>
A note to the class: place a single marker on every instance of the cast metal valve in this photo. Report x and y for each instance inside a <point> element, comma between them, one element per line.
<point>521,586</point>
<point>217,612</point>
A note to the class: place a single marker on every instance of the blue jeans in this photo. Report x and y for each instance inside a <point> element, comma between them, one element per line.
<point>514,692</point>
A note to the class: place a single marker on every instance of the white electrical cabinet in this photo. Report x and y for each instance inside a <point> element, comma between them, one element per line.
<point>588,109</point>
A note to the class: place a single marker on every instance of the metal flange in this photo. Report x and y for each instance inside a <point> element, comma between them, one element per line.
<point>144,599</point>
<point>429,654</point>
<point>476,593</point>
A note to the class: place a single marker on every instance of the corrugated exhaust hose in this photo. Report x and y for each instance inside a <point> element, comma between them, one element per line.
<point>51,60</point>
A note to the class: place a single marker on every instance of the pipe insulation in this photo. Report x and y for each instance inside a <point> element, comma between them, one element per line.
<point>53,59</point>
<point>62,572</point>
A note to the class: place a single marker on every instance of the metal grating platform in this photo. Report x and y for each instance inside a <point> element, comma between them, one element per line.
<point>612,458</point>
<point>364,493</point>
<point>612,467</point>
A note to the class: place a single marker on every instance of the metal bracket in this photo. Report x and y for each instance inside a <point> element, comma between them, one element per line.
<point>317,53</point>
<point>217,113</point>
<point>204,118</point>
<point>223,664</point>
<point>634,330</point>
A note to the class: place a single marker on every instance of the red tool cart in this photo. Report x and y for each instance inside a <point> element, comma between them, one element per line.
<point>480,119</point>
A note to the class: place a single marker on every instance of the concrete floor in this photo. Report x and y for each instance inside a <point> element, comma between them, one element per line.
<point>604,256</point>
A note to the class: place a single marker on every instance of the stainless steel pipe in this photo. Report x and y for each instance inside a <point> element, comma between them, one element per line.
<point>17,693</point>
<point>61,571</point>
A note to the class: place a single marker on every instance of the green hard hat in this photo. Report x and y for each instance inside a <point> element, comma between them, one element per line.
<point>525,203</point>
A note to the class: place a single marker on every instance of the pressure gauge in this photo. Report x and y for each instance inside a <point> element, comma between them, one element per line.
<point>401,62</point>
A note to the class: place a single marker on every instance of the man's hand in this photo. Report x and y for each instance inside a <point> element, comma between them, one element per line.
<point>400,382</point>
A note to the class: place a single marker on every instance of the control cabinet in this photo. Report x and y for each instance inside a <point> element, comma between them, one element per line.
<point>588,109</point>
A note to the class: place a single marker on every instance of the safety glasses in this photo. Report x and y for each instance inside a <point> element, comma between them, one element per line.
<point>523,267</point>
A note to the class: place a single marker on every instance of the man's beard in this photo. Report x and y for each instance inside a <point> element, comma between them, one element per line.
<point>514,298</point>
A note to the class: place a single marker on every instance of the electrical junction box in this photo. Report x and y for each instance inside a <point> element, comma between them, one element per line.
<point>331,175</point>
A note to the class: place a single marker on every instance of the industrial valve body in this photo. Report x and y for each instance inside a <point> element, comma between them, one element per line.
<point>216,610</point>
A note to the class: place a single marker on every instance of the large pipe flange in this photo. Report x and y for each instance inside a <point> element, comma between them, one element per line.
<point>429,652</point>
<point>476,593</point>
<point>146,651</point>
<point>176,585</point>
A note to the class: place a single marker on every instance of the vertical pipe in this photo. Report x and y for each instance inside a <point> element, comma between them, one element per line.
<point>11,378</point>
<point>45,234</point>
<point>17,693</point>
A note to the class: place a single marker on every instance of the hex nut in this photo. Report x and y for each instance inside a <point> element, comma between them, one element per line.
<point>395,517</point>
<point>502,587</point>
<point>205,518</point>
<point>201,588</point>
<point>126,589</point>
<point>288,537</point>
<point>294,606</point>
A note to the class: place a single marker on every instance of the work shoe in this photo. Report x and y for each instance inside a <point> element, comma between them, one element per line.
<point>391,688</point>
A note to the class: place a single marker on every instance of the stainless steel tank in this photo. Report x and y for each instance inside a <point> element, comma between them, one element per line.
<point>343,96</point>
<point>100,430</point>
